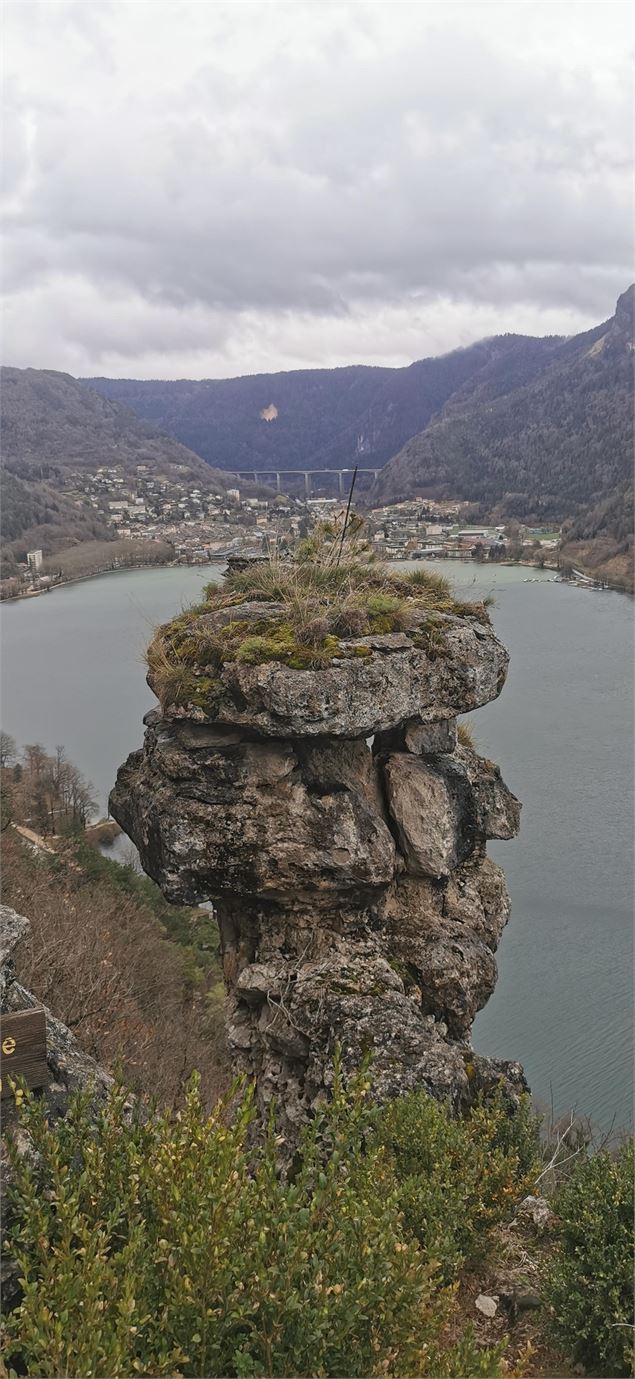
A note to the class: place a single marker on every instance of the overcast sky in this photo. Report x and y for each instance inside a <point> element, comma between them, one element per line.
<point>208,189</point>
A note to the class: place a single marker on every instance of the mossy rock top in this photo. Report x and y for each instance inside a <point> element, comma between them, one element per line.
<point>292,651</point>
<point>375,683</point>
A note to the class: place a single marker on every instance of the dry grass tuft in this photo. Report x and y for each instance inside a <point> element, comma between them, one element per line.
<point>465,736</point>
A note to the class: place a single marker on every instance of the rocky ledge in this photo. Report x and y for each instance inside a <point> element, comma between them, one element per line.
<point>338,825</point>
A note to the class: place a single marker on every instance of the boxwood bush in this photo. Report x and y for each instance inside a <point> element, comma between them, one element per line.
<point>167,1244</point>
<point>590,1280</point>
<point>458,1178</point>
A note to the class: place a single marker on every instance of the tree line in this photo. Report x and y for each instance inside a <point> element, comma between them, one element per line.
<point>45,792</point>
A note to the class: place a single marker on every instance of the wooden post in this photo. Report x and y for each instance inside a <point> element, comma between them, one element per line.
<point>23,1049</point>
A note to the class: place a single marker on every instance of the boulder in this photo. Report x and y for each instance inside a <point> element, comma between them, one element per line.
<point>498,809</point>
<point>429,739</point>
<point>433,811</point>
<point>241,820</point>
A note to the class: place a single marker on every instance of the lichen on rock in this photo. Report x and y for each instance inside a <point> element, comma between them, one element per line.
<point>318,797</point>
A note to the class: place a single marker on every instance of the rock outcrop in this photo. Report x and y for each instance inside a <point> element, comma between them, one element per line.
<point>341,833</point>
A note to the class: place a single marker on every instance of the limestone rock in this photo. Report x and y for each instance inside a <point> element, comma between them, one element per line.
<point>487,1306</point>
<point>434,812</point>
<point>356,905</point>
<point>444,806</point>
<point>357,696</point>
<point>13,928</point>
<point>538,1211</point>
<point>429,739</point>
<point>422,736</point>
<point>498,809</point>
<point>443,940</point>
<point>242,819</point>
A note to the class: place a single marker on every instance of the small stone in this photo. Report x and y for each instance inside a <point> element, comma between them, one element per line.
<point>429,739</point>
<point>538,1211</point>
<point>488,1306</point>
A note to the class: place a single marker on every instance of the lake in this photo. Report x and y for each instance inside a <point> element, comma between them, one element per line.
<point>73,674</point>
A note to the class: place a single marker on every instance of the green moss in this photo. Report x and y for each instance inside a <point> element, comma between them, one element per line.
<point>281,644</point>
<point>200,690</point>
<point>382,603</point>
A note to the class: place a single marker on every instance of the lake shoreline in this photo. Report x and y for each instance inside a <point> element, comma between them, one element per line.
<point>214,564</point>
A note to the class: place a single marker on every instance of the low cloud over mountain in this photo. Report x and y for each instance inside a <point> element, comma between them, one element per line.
<point>205,190</point>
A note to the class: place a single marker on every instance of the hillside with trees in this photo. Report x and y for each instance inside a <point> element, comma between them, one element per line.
<point>52,423</point>
<point>331,418</point>
<point>137,979</point>
<point>601,539</point>
<point>525,429</point>
<point>34,514</point>
<point>54,430</point>
<point>535,436</point>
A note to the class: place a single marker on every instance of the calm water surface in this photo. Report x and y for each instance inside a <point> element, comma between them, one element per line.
<point>73,674</point>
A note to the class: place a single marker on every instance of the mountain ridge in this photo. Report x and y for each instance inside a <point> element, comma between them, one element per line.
<point>524,428</point>
<point>356,414</point>
<point>54,428</point>
<point>545,445</point>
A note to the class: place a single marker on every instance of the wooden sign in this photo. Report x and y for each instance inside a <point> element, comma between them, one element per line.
<point>23,1047</point>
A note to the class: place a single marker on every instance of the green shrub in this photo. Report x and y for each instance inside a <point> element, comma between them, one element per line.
<point>165,1246</point>
<point>457,1178</point>
<point>590,1280</point>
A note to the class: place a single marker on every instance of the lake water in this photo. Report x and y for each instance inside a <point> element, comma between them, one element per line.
<point>73,674</point>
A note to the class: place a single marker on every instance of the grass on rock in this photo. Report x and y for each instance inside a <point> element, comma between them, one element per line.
<point>301,613</point>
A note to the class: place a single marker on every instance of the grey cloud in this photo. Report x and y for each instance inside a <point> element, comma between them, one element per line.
<point>353,178</point>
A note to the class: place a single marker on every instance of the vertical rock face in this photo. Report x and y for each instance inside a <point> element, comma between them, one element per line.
<point>341,832</point>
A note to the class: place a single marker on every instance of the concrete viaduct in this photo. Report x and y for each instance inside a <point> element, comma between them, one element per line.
<point>260,475</point>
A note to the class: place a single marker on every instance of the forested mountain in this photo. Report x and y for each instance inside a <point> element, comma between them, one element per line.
<point>541,433</point>
<point>524,428</point>
<point>600,539</point>
<point>52,422</point>
<point>54,428</point>
<point>34,513</point>
<point>331,418</point>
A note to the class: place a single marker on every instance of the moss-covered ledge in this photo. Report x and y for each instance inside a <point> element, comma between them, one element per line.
<point>368,644</point>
